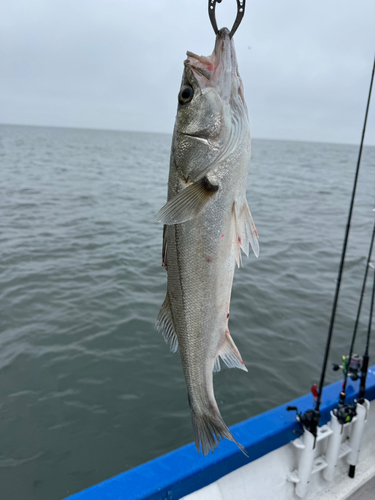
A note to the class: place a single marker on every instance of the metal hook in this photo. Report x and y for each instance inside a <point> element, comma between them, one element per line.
<point>237,22</point>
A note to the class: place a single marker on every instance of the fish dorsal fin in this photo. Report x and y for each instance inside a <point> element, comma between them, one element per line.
<point>245,231</point>
<point>164,324</point>
<point>230,354</point>
<point>187,203</point>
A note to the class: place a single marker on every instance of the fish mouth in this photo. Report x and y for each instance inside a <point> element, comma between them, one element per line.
<point>207,65</point>
<point>223,41</point>
<point>225,55</point>
<point>217,70</point>
<point>203,71</point>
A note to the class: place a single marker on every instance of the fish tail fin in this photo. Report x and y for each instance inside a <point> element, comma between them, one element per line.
<point>209,428</point>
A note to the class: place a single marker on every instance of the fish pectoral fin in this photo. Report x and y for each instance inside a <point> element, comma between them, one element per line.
<point>187,204</point>
<point>230,354</point>
<point>245,231</point>
<point>164,324</point>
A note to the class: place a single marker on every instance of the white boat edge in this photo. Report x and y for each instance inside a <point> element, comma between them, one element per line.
<point>268,477</point>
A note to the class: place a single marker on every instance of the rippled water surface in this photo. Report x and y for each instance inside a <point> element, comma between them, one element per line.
<point>88,387</point>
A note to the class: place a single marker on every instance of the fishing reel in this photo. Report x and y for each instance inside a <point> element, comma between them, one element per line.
<point>310,419</point>
<point>352,367</point>
<point>345,413</point>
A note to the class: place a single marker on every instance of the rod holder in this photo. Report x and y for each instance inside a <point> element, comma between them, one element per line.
<point>306,463</point>
<point>356,436</point>
<point>333,448</point>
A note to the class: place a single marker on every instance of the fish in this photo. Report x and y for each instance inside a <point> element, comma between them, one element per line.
<point>206,224</point>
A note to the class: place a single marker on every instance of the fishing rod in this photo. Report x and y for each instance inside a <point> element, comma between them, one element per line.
<point>364,369</point>
<point>324,368</point>
<point>310,419</point>
<point>352,364</point>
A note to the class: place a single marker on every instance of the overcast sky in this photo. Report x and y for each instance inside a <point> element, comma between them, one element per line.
<point>117,64</point>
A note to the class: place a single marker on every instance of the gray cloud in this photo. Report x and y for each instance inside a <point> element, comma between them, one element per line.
<point>116,64</point>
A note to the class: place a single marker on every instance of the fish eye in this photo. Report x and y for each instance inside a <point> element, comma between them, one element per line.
<point>186,94</point>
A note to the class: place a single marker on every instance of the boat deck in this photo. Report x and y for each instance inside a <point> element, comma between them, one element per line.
<point>365,492</point>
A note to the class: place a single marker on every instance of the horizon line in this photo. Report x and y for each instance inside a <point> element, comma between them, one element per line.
<point>171,133</point>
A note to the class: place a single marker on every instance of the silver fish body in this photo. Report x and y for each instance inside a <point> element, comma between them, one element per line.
<point>207,222</point>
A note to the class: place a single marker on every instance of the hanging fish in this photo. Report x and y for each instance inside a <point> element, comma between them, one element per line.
<point>207,222</point>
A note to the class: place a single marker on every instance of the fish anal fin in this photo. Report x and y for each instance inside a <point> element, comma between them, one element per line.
<point>188,203</point>
<point>245,231</point>
<point>230,354</point>
<point>217,367</point>
<point>164,324</point>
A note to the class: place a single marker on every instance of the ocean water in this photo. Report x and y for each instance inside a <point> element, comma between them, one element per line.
<point>88,388</point>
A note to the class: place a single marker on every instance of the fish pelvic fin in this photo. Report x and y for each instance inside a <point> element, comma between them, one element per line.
<point>188,203</point>
<point>245,233</point>
<point>209,429</point>
<point>164,324</point>
<point>230,354</point>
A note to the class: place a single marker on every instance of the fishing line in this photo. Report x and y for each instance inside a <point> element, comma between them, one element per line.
<point>338,283</point>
